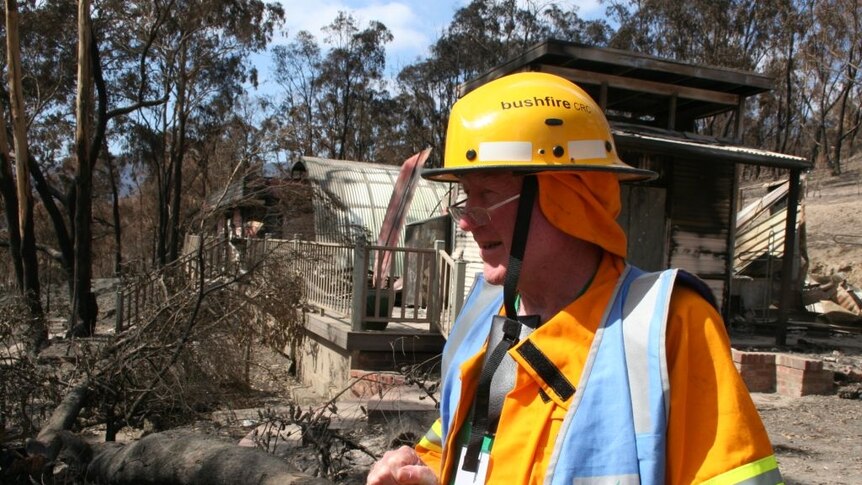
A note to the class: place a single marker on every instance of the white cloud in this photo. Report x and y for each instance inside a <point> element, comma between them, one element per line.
<point>402,21</point>
<point>299,15</point>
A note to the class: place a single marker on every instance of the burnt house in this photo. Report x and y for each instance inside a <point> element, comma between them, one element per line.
<point>264,205</point>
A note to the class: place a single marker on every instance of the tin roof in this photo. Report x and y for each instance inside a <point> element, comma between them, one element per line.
<point>701,147</point>
<point>652,102</point>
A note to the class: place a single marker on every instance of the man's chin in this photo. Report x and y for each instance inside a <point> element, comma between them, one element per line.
<point>495,275</point>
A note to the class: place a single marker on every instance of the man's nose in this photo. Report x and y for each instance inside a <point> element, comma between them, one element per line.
<point>466,224</point>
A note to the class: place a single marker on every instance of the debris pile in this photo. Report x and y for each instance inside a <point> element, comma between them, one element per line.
<point>833,298</point>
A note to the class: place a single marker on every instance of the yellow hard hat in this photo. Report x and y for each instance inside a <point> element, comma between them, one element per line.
<point>529,122</point>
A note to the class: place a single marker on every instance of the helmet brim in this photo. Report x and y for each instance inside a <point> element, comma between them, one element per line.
<point>624,173</point>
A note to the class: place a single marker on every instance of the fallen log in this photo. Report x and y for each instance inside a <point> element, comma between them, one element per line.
<point>167,458</point>
<point>176,458</point>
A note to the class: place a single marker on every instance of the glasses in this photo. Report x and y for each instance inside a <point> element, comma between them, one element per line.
<point>476,216</point>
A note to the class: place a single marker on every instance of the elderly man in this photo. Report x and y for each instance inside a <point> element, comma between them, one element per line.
<point>585,370</point>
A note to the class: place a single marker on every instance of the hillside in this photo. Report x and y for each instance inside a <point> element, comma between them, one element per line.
<point>833,219</point>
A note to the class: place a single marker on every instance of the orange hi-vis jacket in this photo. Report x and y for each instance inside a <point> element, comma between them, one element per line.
<point>714,433</point>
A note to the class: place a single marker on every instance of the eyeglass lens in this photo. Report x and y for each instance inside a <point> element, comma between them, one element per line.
<point>476,216</point>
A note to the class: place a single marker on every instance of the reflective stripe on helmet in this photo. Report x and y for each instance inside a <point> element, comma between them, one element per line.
<point>588,149</point>
<point>505,151</point>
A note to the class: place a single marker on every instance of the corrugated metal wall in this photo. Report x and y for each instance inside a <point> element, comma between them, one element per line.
<point>351,197</point>
<point>700,205</point>
<point>644,220</point>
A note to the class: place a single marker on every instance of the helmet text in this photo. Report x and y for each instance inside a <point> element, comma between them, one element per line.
<point>548,101</point>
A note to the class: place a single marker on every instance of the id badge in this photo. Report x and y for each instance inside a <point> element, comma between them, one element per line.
<point>463,477</point>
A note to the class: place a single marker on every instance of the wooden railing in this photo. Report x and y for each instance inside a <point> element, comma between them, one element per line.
<point>419,287</point>
<point>451,289</point>
<point>326,269</point>
<point>141,298</point>
<point>423,286</point>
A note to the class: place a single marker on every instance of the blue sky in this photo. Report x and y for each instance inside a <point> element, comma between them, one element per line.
<point>415,24</point>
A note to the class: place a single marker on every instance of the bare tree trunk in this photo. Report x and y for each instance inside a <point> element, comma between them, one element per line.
<point>170,458</point>
<point>165,458</point>
<point>839,132</point>
<point>841,135</point>
<point>115,212</point>
<point>178,150</point>
<point>165,176</point>
<point>100,145</point>
<point>10,206</point>
<point>784,135</point>
<point>29,263</point>
<point>58,220</point>
<point>161,234</point>
<point>83,320</point>
<point>854,131</point>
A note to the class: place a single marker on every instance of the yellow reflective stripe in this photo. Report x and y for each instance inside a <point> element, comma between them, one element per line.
<point>430,446</point>
<point>760,472</point>
<point>433,439</point>
<point>437,427</point>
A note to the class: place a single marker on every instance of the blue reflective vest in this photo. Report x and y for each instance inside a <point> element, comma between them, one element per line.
<point>615,430</point>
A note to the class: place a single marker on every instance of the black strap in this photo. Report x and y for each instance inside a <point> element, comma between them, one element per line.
<point>529,189</point>
<point>503,379</point>
<point>546,369</point>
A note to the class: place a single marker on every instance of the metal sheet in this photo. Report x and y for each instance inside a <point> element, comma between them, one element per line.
<point>396,211</point>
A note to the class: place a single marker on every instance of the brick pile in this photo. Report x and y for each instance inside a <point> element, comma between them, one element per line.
<point>786,374</point>
<point>757,370</point>
<point>800,376</point>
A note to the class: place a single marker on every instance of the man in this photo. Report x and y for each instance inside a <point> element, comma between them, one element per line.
<point>586,370</point>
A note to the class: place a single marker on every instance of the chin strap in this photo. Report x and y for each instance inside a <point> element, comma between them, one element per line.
<point>529,190</point>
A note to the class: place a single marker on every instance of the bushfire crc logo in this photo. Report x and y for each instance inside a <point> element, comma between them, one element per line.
<point>547,101</point>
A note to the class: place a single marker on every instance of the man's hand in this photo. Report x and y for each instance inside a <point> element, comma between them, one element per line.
<point>401,467</point>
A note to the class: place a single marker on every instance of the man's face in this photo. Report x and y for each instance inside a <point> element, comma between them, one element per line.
<point>495,237</point>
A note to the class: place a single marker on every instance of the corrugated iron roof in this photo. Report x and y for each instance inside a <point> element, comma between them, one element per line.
<point>634,139</point>
<point>358,193</point>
